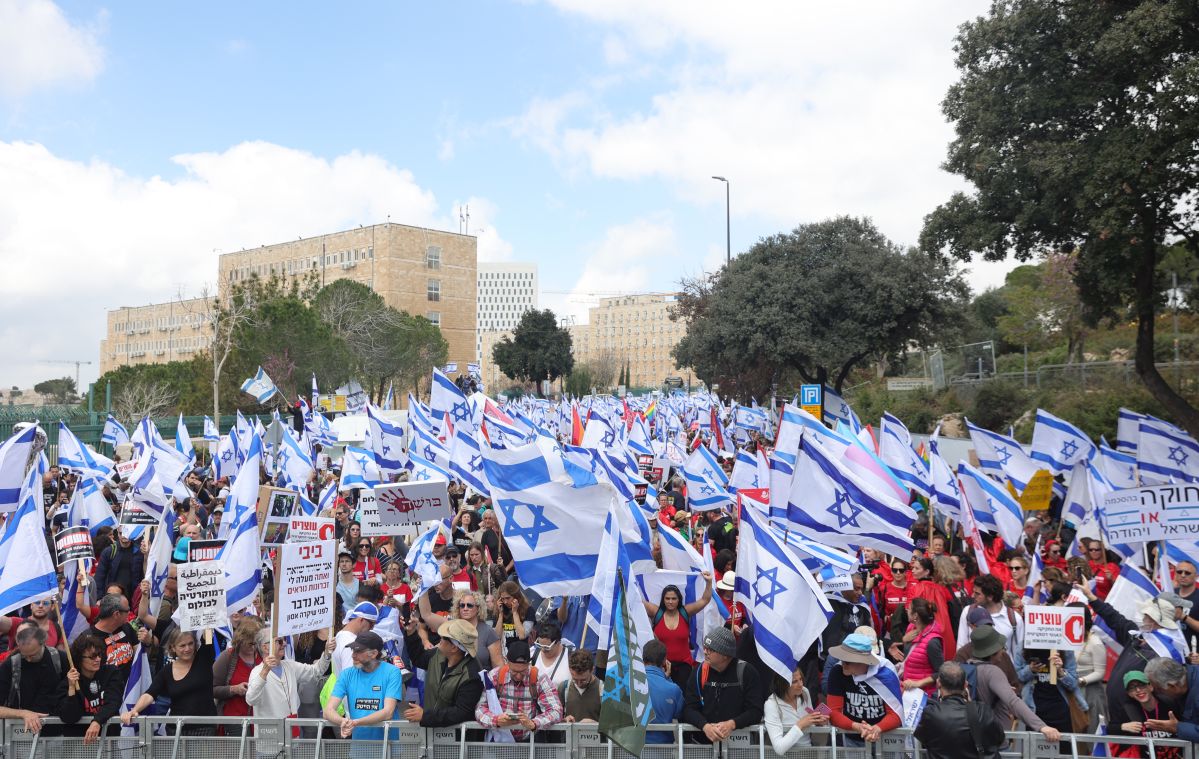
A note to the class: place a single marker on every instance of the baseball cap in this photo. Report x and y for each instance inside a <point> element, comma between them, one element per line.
<point>365,610</point>
<point>518,652</point>
<point>367,641</point>
<point>1135,676</point>
<point>439,540</point>
<point>979,616</point>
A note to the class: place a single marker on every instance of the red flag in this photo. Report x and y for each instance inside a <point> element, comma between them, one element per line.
<point>717,431</point>
<point>576,425</point>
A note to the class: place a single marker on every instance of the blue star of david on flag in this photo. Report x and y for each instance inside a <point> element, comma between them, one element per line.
<point>1177,455</point>
<point>1069,448</point>
<point>227,456</point>
<point>707,490</point>
<point>476,463</point>
<point>755,482</point>
<point>530,534</point>
<point>775,587</point>
<point>1004,454</point>
<point>844,510</point>
<point>460,412</point>
<point>429,454</point>
<point>421,474</point>
<point>609,438</point>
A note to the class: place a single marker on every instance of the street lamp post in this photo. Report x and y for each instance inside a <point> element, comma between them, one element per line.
<point>728,238</point>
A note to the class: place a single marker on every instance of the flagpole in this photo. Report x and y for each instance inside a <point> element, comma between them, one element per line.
<point>63,637</point>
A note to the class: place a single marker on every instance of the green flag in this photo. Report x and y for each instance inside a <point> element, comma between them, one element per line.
<point>624,709</point>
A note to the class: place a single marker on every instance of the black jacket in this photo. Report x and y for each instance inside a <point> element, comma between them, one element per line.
<point>123,565</point>
<point>1136,654</point>
<point>97,700</point>
<point>722,697</point>
<point>944,730</point>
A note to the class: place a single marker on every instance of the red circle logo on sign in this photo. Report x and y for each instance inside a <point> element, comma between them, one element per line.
<point>327,532</point>
<point>1074,630</point>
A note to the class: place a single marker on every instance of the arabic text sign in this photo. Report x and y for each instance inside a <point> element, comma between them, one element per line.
<point>202,595</point>
<point>306,585</point>
<point>1161,512</point>
<point>408,503</point>
<point>1053,627</point>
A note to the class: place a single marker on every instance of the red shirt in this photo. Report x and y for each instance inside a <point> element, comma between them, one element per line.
<point>677,641</point>
<point>402,592</point>
<point>368,570</point>
<point>890,598</point>
<point>1105,573</point>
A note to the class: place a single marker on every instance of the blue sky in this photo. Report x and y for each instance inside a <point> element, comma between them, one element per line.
<point>139,139</point>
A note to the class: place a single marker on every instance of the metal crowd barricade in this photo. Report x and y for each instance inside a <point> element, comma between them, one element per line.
<point>258,738</point>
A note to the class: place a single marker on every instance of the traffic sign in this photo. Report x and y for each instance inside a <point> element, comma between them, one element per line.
<point>811,400</point>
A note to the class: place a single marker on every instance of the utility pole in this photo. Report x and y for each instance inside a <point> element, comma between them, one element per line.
<point>1174,302</point>
<point>728,238</point>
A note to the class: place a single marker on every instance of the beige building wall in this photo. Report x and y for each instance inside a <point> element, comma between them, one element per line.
<point>155,334</point>
<point>635,329</point>
<point>494,381</point>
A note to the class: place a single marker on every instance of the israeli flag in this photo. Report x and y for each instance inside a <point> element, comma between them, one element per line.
<point>183,440</point>
<point>114,432</point>
<point>138,683</point>
<point>293,461</point>
<point>14,454</point>
<point>147,492</point>
<point>211,433</point>
<point>420,558</point>
<point>702,464</point>
<point>838,410</point>
<point>158,563</point>
<point>74,623</point>
<point>945,494</point>
<point>897,452</point>
<point>88,507</point>
<point>986,496</point>
<point>446,399</point>
<point>259,386</point>
<point>169,464</point>
<point>830,504</point>
<point>1165,452</point>
<point>599,433</point>
<point>1128,431</point>
<point>544,503</point>
<point>226,462</point>
<point>814,555</point>
<point>745,472</point>
<point>1002,457</point>
<point>241,553</point>
<point>387,440</point>
<point>316,396</point>
<point>421,471</point>
<point>786,607</point>
<point>390,399</point>
<point>358,469</point>
<point>1058,444</point>
<point>73,454</point>
<point>28,572</point>
<point>466,462</point>
<point>705,495</point>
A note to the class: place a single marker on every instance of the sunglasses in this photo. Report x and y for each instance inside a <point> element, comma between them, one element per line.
<point>898,570</point>
<point>365,546</point>
<point>467,605</point>
<point>1095,550</point>
<point>1016,566</point>
<point>1183,572</point>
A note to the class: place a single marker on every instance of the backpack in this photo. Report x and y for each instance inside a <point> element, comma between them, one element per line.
<point>502,676</point>
<point>957,604</point>
<point>14,693</point>
<point>971,671</point>
<point>701,679</point>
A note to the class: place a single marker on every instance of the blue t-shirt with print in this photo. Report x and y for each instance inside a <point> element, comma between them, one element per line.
<point>363,693</point>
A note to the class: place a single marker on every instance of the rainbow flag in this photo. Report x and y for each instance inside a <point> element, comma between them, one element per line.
<point>651,409</point>
<point>576,425</point>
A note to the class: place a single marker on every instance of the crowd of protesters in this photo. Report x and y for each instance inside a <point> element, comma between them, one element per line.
<point>935,621</point>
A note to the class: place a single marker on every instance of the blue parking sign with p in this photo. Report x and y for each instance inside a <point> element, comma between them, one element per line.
<point>810,395</point>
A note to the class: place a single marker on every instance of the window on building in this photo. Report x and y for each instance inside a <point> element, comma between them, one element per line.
<point>433,257</point>
<point>435,317</point>
<point>433,291</point>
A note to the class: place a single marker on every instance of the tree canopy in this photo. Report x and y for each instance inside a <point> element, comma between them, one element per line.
<point>818,300</point>
<point>538,349</point>
<point>1076,124</point>
<point>61,390</point>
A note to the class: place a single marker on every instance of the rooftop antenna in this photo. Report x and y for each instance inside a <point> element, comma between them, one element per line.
<point>464,220</point>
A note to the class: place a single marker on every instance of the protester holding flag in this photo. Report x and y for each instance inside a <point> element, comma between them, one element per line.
<point>97,689</point>
<point>526,699</point>
<point>672,620</point>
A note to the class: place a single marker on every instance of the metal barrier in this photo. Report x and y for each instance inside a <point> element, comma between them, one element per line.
<point>258,738</point>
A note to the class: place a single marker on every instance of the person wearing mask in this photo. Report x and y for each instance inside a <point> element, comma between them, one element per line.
<point>186,681</point>
<point>672,621</point>
<point>527,701</point>
<point>99,688</point>
<point>924,655</point>
<point>452,684</point>
<point>581,693</point>
<point>39,670</point>
<point>859,701</point>
<point>724,693</point>
<point>372,690</point>
<point>992,687</point>
<point>665,696</point>
<point>360,619</point>
<point>788,714</point>
<point>121,564</point>
<point>952,726</point>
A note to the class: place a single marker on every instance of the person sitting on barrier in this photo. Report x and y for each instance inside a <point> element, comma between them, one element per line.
<point>1179,685</point>
<point>372,690</point>
<point>99,688</point>
<point>526,698</point>
<point>581,694</point>
<point>665,696</point>
<point>953,726</point>
<point>858,699</point>
<point>187,681</point>
<point>273,689</point>
<point>723,694</point>
<point>788,713</point>
<point>989,684</point>
<point>358,620</point>
<point>30,678</point>
<point>452,683</point>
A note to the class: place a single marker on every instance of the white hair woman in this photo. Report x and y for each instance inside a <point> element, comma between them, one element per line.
<point>274,685</point>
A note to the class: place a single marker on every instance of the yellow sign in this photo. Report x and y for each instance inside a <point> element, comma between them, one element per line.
<point>816,410</point>
<point>1037,495</point>
<point>333,403</point>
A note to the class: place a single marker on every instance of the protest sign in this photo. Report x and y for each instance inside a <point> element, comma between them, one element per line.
<point>74,543</point>
<point>125,469</point>
<point>308,529</point>
<point>408,503</point>
<point>204,550</point>
<point>132,514</point>
<point>1038,492</point>
<point>837,584</point>
<point>306,583</point>
<point>368,516</point>
<point>1053,627</point>
<point>275,508</point>
<point>1161,512</point>
<point>202,595</point>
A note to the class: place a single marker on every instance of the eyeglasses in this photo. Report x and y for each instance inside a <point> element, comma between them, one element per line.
<point>1015,567</point>
<point>898,570</point>
<point>92,655</point>
<point>467,605</point>
<point>364,547</point>
<point>1183,572</point>
<point>1095,550</point>
<point>1054,552</point>
<point>1138,686</point>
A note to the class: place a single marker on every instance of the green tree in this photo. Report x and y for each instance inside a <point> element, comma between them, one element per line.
<point>155,389</point>
<point>1076,124</point>
<point>62,390</point>
<point>1048,308</point>
<point>538,349</point>
<point>820,300</point>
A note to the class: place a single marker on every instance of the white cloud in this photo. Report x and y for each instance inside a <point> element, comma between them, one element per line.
<point>811,110</point>
<point>492,247</point>
<point>623,262</point>
<point>79,238</point>
<point>42,48</point>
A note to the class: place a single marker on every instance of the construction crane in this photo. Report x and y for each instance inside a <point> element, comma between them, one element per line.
<point>593,296</point>
<point>63,361</point>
